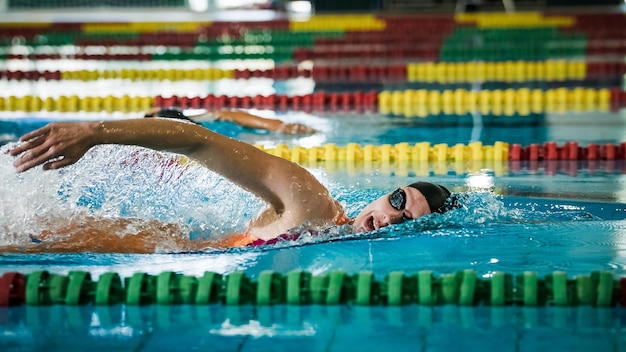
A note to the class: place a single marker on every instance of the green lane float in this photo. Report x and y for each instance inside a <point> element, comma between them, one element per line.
<point>462,288</point>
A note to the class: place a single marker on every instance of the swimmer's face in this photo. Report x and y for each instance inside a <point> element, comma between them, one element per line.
<point>392,208</point>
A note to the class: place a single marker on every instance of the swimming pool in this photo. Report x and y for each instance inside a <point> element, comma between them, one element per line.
<point>515,221</point>
<point>519,217</point>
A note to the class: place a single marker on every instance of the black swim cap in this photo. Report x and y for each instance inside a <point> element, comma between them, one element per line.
<point>436,195</point>
<point>171,114</point>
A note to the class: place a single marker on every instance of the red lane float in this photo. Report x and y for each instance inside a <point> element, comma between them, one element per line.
<point>12,289</point>
<point>346,101</point>
<point>568,151</point>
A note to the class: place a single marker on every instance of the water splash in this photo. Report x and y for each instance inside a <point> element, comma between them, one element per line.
<point>179,198</point>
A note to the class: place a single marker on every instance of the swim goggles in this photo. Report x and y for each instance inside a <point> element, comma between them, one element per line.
<point>397,199</point>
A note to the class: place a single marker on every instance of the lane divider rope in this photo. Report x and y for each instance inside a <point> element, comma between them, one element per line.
<point>429,72</point>
<point>408,103</point>
<point>463,288</point>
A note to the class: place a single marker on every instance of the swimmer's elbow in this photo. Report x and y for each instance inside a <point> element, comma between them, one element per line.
<point>191,149</point>
<point>192,141</point>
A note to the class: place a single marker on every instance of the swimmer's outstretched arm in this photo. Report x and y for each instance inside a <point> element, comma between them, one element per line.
<point>292,192</point>
<point>246,119</point>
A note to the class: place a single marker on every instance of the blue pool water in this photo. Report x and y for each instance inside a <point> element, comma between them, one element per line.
<point>514,218</point>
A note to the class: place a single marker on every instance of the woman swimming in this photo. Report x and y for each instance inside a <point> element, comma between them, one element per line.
<point>292,194</point>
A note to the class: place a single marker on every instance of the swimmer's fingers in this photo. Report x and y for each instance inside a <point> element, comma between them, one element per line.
<point>35,151</point>
<point>50,156</point>
<point>303,129</point>
<point>44,131</point>
<point>296,128</point>
<point>53,155</point>
<point>58,163</point>
<point>56,145</point>
<point>34,157</point>
<point>31,140</point>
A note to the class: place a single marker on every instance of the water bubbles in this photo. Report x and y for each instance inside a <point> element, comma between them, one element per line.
<point>112,182</point>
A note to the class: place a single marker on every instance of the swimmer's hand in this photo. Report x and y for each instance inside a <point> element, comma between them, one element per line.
<point>295,128</point>
<point>55,145</point>
<point>246,119</point>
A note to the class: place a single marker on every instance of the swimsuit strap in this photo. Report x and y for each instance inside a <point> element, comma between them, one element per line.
<point>279,238</point>
<point>237,240</point>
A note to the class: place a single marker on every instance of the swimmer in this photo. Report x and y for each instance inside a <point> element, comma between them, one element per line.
<point>239,117</point>
<point>293,196</point>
